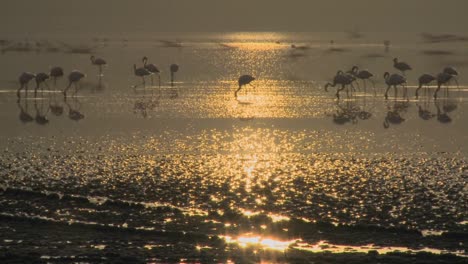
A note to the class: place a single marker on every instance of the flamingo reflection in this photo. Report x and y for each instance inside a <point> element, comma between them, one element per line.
<point>24,116</point>
<point>41,112</point>
<point>74,112</point>
<point>394,114</point>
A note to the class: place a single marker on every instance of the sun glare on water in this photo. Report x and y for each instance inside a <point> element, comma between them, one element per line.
<point>261,242</point>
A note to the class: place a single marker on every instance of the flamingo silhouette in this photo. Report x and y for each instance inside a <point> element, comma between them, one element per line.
<point>401,66</point>
<point>73,78</point>
<point>244,80</point>
<point>442,78</point>
<point>56,72</point>
<point>41,78</point>
<point>424,80</point>
<point>140,72</point>
<point>24,79</point>
<point>452,71</point>
<point>152,69</point>
<point>174,68</point>
<point>343,80</point>
<point>363,75</point>
<point>394,80</point>
<point>98,62</point>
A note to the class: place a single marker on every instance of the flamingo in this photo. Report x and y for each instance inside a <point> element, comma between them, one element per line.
<point>393,80</point>
<point>41,78</point>
<point>152,69</point>
<point>174,68</point>
<point>73,78</point>
<point>343,80</point>
<point>363,75</point>
<point>99,62</point>
<point>452,71</point>
<point>140,72</point>
<point>24,79</point>
<point>56,72</point>
<point>424,79</point>
<point>401,66</point>
<point>442,78</point>
<point>244,80</point>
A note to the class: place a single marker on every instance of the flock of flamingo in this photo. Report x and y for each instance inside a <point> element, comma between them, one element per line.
<point>75,76</point>
<point>345,79</point>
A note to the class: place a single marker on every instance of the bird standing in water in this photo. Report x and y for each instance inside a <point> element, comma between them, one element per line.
<point>174,68</point>
<point>140,72</point>
<point>342,79</point>
<point>152,69</point>
<point>24,79</point>
<point>424,80</point>
<point>40,78</point>
<point>363,75</point>
<point>73,78</point>
<point>98,62</point>
<point>394,80</point>
<point>55,73</point>
<point>244,80</point>
<point>401,66</point>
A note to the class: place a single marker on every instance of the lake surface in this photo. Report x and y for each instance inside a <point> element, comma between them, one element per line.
<point>185,172</point>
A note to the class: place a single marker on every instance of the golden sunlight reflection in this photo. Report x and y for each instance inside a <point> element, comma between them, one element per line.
<point>322,246</point>
<point>255,40</point>
<point>261,242</point>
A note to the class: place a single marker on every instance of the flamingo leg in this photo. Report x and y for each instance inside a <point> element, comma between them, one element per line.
<point>417,91</point>
<point>235,93</point>
<point>66,89</point>
<point>35,90</point>
<point>339,90</point>
<point>352,88</point>
<point>386,92</point>
<point>18,92</point>
<point>373,86</point>
<point>436,91</point>
<point>159,80</point>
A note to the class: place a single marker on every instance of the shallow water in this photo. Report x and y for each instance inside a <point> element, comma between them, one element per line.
<point>188,172</point>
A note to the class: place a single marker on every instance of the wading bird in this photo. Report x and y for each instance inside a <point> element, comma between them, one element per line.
<point>244,80</point>
<point>343,80</point>
<point>73,78</point>
<point>56,72</point>
<point>41,78</point>
<point>174,68</point>
<point>442,78</point>
<point>24,79</point>
<point>362,75</point>
<point>140,72</point>
<point>424,80</point>
<point>450,70</point>
<point>394,80</point>
<point>152,69</point>
<point>98,62</point>
<point>401,66</point>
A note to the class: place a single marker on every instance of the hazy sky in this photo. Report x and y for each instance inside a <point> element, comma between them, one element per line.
<point>241,15</point>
